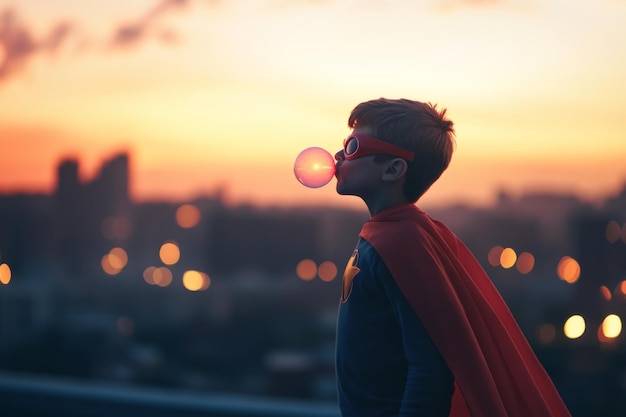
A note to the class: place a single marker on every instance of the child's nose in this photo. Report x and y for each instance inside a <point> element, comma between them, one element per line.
<point>339,156</point>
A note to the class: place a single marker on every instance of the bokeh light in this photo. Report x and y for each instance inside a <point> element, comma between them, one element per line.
<point>601,336</point>
<point>5,274</point>
<point>508,258</point>
<point>118,258</point>
<point>148,275</point>
<point>494,255</point>
<point>314,167</point>
<point>327,271</point>
<point>188,216</point>
<point>113,262</point>
<point>624,233</point>
<point>169,253</point>
<point>107,267</point>
<point>568,270</point>
<point>546,333</point>
<point>162,276</point>
<point>612,326</point>
<point>574,327</point>
<point>196,280</point>
<point>613,231</point>
<point>605,292</point>
<point>525,262</point>
<point>306,269</point>
<point>620,289</point>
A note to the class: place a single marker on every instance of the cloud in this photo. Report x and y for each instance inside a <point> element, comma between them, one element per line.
<point>136,32</point>
<point>18,45</point>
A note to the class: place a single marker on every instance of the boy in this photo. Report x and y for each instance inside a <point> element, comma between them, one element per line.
<point>421,329</point>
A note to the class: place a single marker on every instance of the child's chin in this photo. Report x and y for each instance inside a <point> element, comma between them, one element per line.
<point>340,188</point>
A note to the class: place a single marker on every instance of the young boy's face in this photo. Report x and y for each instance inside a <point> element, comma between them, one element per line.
<point>360,176</point>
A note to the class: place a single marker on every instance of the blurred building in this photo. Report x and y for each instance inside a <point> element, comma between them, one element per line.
<point>210,297</point>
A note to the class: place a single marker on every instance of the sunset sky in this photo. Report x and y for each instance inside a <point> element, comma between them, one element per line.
<point>224,94</point>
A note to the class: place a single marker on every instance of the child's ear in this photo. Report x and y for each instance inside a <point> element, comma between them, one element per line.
<point>395,170</point>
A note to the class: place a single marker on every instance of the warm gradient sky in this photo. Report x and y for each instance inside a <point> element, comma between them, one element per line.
<point>205,94</point>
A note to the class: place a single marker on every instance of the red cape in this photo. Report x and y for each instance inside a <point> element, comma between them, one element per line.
<point>496,371</point>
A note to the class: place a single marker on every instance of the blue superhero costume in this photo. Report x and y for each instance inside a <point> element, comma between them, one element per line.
<point>377,322</point>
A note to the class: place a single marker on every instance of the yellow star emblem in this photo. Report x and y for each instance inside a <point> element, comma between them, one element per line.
<point>348,275</point>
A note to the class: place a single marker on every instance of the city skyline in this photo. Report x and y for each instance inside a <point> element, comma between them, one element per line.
<point>88,171</point>
<point>207,296</point>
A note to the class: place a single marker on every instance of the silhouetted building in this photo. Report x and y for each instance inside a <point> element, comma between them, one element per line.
<point>87,212</point>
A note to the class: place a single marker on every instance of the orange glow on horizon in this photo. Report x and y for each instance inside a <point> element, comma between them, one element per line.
<point>163,178</point>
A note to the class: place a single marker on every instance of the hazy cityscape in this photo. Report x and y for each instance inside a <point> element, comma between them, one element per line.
<point>208,297</point>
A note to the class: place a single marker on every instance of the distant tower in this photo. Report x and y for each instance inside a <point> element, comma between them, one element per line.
<point>68,184</point>
<point>90,215</point>
<point>109,202</point>
<point>111,186</point>
<point>69,220</point>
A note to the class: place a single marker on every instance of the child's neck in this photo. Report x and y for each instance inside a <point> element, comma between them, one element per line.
<point>381,204</point>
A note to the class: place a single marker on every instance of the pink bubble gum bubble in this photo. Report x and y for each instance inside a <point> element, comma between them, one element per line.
<point>314,167</point>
